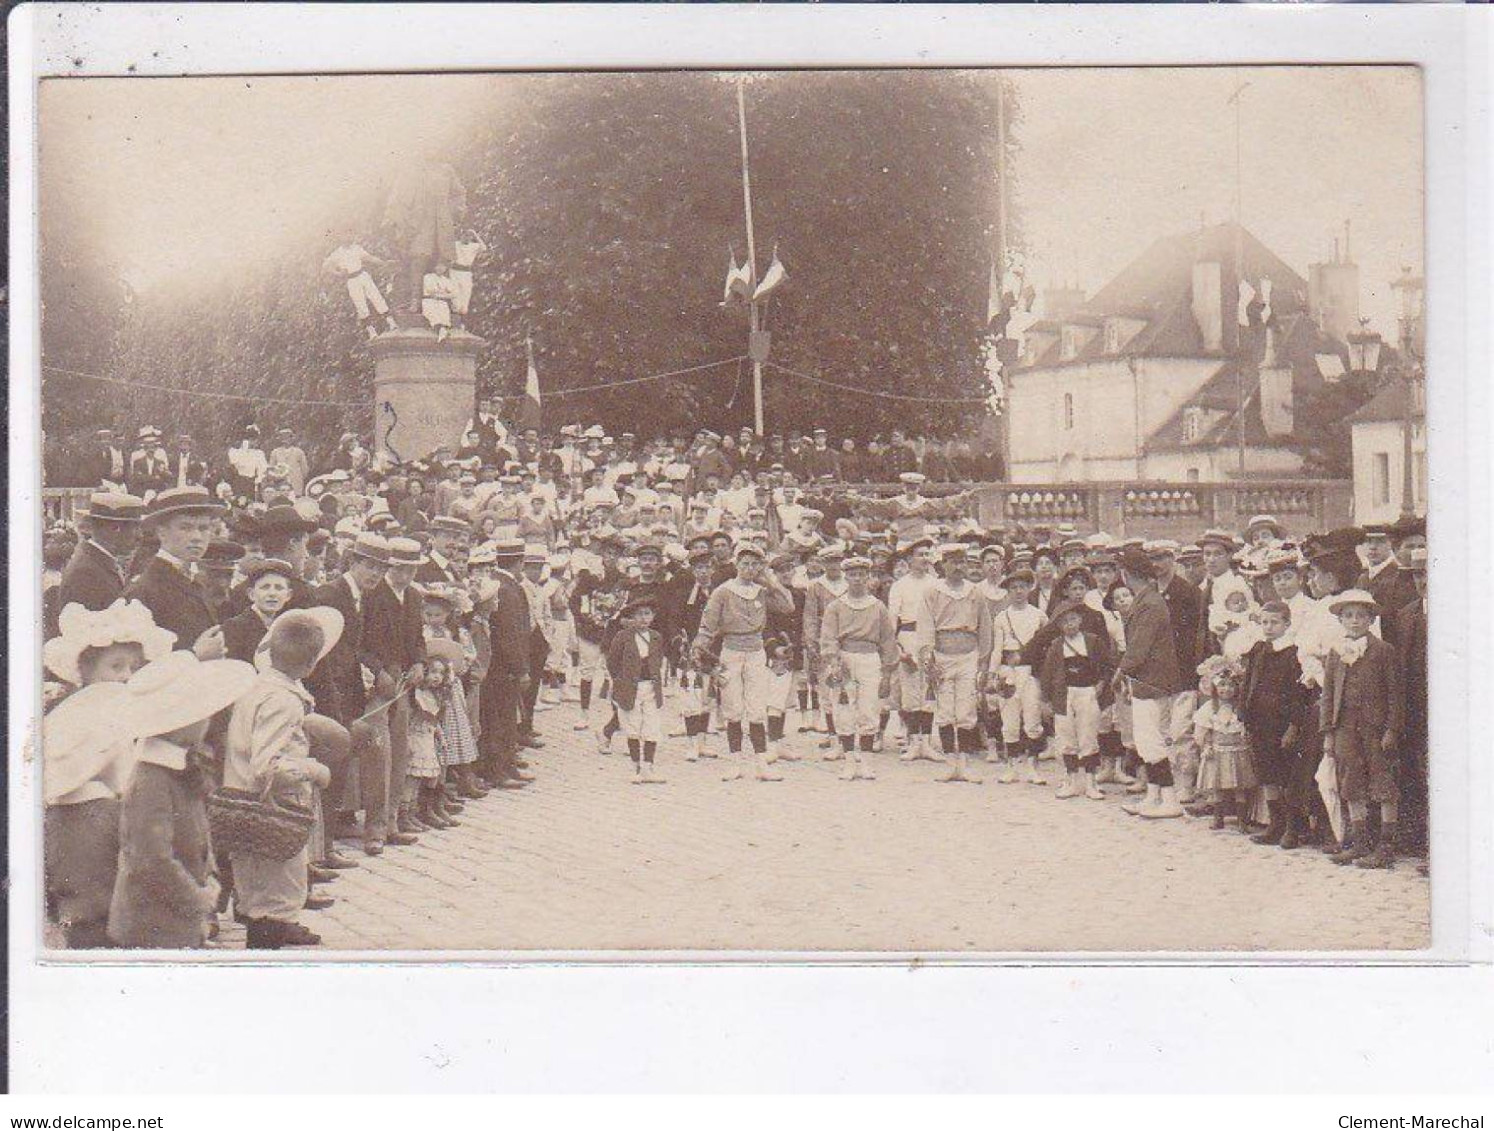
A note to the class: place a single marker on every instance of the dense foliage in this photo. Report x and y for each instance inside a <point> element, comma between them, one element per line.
<point>610,204</point>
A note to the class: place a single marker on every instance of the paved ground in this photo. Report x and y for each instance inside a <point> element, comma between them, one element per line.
<point>583,860</point>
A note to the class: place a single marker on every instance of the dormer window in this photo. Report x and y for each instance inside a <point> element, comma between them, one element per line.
<point>1193,425</point>
<point>1070,343</point>
<point>1112,337</point>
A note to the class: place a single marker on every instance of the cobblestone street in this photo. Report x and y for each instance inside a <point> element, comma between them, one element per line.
<point>582,859</point>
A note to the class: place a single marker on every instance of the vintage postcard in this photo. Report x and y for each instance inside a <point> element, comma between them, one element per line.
<point>854,512</point>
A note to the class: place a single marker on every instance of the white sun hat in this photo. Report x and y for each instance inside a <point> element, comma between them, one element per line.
<point>123,622</point>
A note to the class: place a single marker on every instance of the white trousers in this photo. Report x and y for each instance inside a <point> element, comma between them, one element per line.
<point>642,722</point>
<point>957,700</point>
<point>1078,728</point>
<point>365,293</point>
<point>461,282</point>
<point>1023,712</point>
<point>1149,722</point>
<point>744,686</point>
<point>863,680</point>
<point>592,668</point>
<point>909,689</point>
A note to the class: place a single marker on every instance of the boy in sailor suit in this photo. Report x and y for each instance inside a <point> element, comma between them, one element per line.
<point>859,640</point>
<point>910,691</point>
<point>954,646</point>
<point>1017,686</point>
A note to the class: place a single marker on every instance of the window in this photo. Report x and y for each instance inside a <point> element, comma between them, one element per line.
<point>1381,484</point>
<point>1192,425</point>
<point>1112,337</point>
<point>1068,411</point>
<point>1193,475</point>
<point>1069,343</point>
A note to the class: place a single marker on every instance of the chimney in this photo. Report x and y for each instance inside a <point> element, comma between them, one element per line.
<point>1208,304</point>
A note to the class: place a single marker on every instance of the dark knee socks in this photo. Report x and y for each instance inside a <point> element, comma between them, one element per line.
<point>866,743</point>
<point>696,724</point>
<point>848,742</point>
<point>757,734</point>
<point>968,740</point>
<point>775,728</point>
<point>947,738</point>
<point>734,737</point>
<point>585,694</point>
<point>1160,773</point>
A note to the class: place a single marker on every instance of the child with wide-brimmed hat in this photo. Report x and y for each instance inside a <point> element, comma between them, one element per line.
<point>165,893</point>
<point>87,762</point>
<point>268,752</point>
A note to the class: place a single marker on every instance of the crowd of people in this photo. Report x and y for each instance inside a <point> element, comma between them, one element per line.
<point>149,461</point>
<point>369,646</point>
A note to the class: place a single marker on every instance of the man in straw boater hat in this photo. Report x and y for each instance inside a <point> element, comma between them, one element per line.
<point>500,599</point>
<point>165,892</point>
<point>337,684</point>
<point>735,615</point>
<point>859,640</point>
<point>94,576</point>
<point>954,647</point>
<point>183,520</point>
<point>1362,715</point>
<point>395,643</point>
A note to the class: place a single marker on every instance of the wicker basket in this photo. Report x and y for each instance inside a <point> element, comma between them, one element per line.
<point>243,821</point>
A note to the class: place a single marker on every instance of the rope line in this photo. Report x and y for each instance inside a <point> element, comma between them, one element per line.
<point>872,392</point>
<point>209,394</point>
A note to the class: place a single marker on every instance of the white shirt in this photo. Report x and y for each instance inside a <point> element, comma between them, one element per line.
<point>905,597</point>
<point>348,258</point>
<point>1015,626</point>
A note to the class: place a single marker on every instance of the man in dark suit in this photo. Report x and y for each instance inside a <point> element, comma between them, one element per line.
<point>94,576</point>
<point>393,637</point>
<point>508,673</point>
<point>1390,585</point>
<point>337,686</point>
<point>185,469</point>
<point>104,462</point>
<point>183,520</point>
<point>450,539</point>
<point>150,469</point>
<point>1408,627</point>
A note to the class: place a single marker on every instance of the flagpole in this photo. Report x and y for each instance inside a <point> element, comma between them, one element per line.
<point>757,365</point>
<point>1239,278</point>
<point>1004,421</point>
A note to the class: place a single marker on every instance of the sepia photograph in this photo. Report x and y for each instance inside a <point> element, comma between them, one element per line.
<point>860,512</point>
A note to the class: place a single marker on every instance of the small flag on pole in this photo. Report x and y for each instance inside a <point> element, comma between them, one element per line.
<point>738,280</point>
<point>1265,300</point>
<point>1247,296</point>
<point>532,414</point>
<point>773,278</point>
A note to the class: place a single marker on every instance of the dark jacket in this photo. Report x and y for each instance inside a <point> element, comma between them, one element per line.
<point>175,601</point>
<point>242,635</point>
<point>1050,671</point>
<point>163,894</point>
<point>337,682</point>
<point>1368,693</point>
<point>628,668</point>
<point>1151,660</point>
<point>508,628</point>
<point>1185,610</point>
<point>392,629</point>
<point>91,578</point>
<point>1410,633</point>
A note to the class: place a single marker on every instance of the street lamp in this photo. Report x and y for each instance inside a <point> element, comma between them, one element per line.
<point>1410,287</point>
<point>1364,349</point>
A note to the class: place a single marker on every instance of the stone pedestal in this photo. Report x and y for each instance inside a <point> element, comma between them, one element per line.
<point>423,391</point>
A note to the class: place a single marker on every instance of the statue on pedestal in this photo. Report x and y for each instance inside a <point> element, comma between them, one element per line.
<point>425,206</point>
